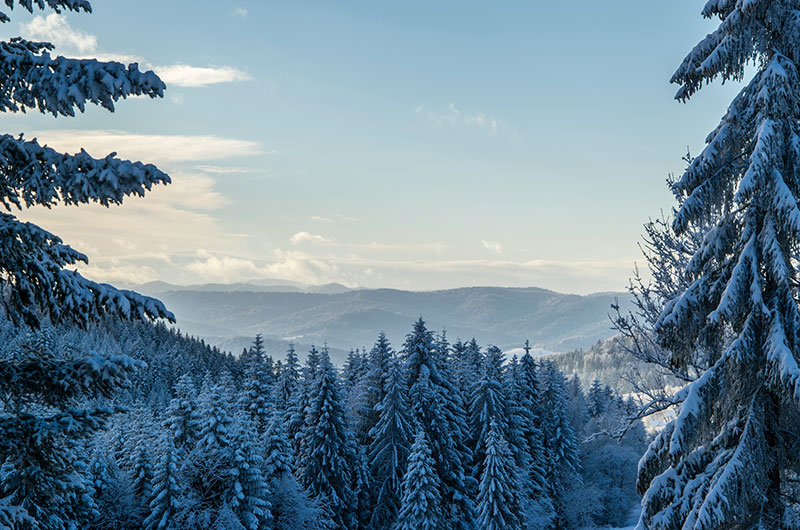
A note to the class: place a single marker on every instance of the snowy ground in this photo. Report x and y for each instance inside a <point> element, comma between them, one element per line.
<point>633,518</point>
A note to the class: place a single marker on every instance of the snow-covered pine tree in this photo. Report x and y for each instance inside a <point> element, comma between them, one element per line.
<point>354,368</point>
<point>297,412</point>
<point>164,501</point>
<point>391,438</point>
<point>257,348</point>
<point>250,495</point>
<point>183,417</point>
<point>526,403</point>
<point>278,451</point>
<point>210,463</point>
<point>729,458</point>
<point>256,390</point>
<point>288,381</point>
<point>438,409</point>
<point>37,282</point>
<point>499,506</point>
<point>142,471</point>
<point>421,504</point>
<point>42,422</point>
<point>370,389</point>
<point>560,440</point>
<point>488,403</point>
<point>324,461</point>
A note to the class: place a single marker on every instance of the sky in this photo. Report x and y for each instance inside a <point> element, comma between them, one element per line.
<point>412,145</point>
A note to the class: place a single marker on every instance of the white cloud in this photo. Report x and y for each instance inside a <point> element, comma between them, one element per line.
<point>239,12</point>
<point>318,219</point>
<point>453,117</point>
<point>54,28</point>
<point>185,75</point>
<point>221,170</point>
<point>492,245</point>
<point>154,148</point>
<point>304,237</point>
<point>285,265</point>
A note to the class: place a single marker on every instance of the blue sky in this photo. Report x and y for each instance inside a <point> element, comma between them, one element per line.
<point>414,145</point>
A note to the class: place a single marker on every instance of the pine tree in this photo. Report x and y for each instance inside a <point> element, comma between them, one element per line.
<point>727,459</point>
<point>288,381</point>
<point>422,499</point>
<point>369,390</point>
<point>142,473</point>
<point>38,282</point>
<point>489,402</point>
<point>560,439</point>
<point>388,453</point>
<point>165,496</point>
<point>215,416</point>
<point>183,418</point>
<point>44,419</point>
<point>499,505</point>
<point>324,457</point>
<point>278,451</point>
<point>437,407</point>
<point>297,412</point>
<point>210,464</point>
<point>257,348</point>
<point>256,390</point>
<point>250,490</point>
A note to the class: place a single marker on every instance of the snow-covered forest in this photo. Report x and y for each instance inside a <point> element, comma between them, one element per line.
<point>431,435</point>
<point>112,419</point>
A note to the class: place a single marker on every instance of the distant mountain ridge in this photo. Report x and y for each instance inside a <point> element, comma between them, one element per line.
<point>230,315</point>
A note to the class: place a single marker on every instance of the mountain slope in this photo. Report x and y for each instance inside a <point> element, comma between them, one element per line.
<point>352,318</point>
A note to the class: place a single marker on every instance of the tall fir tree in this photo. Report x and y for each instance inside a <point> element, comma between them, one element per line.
<point>183,417</point>
<point>287,382</point>
<point>250,493</point>
<point>370,389</point>
<point>488,403</point>
<point>421,505</point>
<point>729,458</point>
<point>325,459</point>
<point>499,506</point>
<point>437,408</point>
<point>164,501</point>
<point>560,440</point>
<point>391,444</point>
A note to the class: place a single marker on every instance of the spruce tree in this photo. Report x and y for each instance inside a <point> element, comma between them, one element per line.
<point>183,417</point>
<point>278,451</point>
<point>164,501</point>
<point>370,389</point>
<point>250,492</point>
<point>489,402</point>
<point>421,505</point>
<point>287,382</point>
<point>560,440</point>
<point>254,398</point>
<point>729,458</point>
<point>388,454</point>
<point>324,458</point>
<point>499,505</point>
<point>38,283</point>
<point>296,416</point>
<point>437,408</point>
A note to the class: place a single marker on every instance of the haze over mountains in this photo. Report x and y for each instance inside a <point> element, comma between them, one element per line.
<point>230,315</point>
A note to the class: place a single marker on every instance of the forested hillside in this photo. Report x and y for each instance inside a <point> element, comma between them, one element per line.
<point>207,440</point>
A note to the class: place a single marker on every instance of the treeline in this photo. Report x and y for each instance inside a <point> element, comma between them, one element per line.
<point>435,435</point>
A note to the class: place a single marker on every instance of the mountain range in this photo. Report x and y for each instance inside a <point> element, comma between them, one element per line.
<point>230,315</point>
